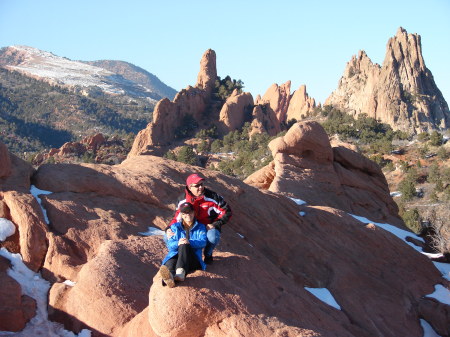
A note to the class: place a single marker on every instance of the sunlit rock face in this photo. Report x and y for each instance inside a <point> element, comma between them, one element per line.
<point>306,166</point>
<point>401,92</point>
<point>269,252</point>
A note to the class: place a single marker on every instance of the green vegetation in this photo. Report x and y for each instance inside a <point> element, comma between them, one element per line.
<point>207,133</point>
<point>411,217</point>
<point>224,88</point>
<point>248,154</point>
<point>375,137</point>
<point>241,154</point>
<point>436,138</point>
<point>35,115</point>
<point>407,188</point>
<point>186,128</point>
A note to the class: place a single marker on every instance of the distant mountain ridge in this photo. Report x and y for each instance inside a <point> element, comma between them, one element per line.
<point>136,74</point>
<point>129,80</point>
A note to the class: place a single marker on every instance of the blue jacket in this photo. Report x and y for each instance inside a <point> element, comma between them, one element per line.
<point>197,240</point>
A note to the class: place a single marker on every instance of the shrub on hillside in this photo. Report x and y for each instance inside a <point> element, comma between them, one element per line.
<point>224,88</point>
<point>407,188</point>
<point>411,218</point>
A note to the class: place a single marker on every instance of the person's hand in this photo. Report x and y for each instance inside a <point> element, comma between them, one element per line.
<point>183,241</point>
<point>169,233</point>
<point>209,226</point>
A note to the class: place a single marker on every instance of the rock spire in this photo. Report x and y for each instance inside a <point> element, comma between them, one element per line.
<point>401,92</point>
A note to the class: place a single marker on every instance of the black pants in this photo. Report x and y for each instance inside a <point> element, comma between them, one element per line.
<point>185,258</point>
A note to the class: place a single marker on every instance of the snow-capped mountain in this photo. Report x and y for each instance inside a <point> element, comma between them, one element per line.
<point>54,69</point>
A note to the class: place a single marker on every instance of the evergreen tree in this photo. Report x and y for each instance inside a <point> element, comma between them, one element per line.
<point>187,155</point>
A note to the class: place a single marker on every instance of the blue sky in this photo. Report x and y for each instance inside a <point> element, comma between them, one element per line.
<point>259,42</point>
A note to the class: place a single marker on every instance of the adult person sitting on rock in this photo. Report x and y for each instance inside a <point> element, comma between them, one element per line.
<point>185,247</point>
<point>210,209</point>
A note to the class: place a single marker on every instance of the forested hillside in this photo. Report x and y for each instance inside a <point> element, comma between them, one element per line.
<point>35,115</point>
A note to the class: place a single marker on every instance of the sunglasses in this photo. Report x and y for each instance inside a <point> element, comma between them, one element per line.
<point>197,185</point>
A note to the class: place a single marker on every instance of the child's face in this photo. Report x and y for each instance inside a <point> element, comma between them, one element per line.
<point>188,217</point>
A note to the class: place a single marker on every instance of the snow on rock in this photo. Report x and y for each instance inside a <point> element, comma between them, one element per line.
<point>36,287</point>
<point>324,295</point>
<point>298,201</point>
<point>36,192</point>
<point>152,231</point>
<point>398,232</point>
<point>63,71</point>
<point>7,229</point>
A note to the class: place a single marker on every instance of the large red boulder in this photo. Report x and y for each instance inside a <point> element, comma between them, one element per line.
<point>307,167</point>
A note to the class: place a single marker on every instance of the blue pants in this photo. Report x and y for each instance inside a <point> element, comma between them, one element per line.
<point>213,239</point>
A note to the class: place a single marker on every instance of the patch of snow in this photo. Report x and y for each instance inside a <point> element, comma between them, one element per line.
<point>444,268</point>
<point>441,293</point>
<point>396,194</point>
<point>240,235</point>
<point>36,192</point>
<point>398,232</point>
<point>428,331</point>
<point>152,231</point>
<point>433,255</point>
<point>61,70</point>
<point>324,295</point>
<point>36,287</point>
<point>69,283</point>
<point>298,201</point>
<point>302,213</point>
<point>402,234</point>
<point>7,229</point>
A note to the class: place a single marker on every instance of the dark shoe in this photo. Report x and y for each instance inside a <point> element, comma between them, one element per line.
<point>166,276</point>
<point>209,259</point>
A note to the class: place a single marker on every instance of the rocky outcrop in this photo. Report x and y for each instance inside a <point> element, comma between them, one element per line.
<point>264,120</point>
<point>235,112</point>
<point>307,167</point>
<point>22,209</point>
<point>96,148</point>
<point>170,115</point>
<point>97,213</point>
<point>208,71</point>
<point>300,105</point>
<point>401,92</point>
<point>278,98</point>
<point>15,309</point>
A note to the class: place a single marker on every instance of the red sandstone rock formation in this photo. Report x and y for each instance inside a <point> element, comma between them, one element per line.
<point>401,92</point>
<point>267,255</point>
<point>264,120</point>
<point>168,115</point>
<point>21,208</point>
<point>278,98</point>
<point>93,142</point>
<point>307,167</point>
<point>232,115</point>
<point>300,105</point>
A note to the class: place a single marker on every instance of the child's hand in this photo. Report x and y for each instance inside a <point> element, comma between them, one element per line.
<point>183,241</point>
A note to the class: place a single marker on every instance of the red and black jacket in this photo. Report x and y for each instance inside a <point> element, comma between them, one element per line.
<point>210,208</point>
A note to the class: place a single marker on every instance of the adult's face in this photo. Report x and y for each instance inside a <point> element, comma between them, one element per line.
<point>197,189</point>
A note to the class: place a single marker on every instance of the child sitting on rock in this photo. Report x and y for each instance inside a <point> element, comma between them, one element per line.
<point>185,247</point>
